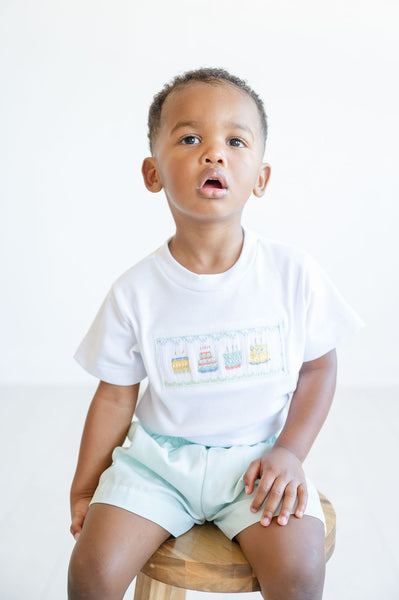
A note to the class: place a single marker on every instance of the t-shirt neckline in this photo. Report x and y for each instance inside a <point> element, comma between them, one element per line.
<point>174,271</point>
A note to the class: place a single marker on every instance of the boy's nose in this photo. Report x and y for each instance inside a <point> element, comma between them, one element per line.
<point>214,155</point>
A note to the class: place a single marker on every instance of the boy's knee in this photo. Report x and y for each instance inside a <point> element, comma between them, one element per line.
<point>82,574</point>
<point>296,578</point>
<point>306,579</point>
<point>90,578</point>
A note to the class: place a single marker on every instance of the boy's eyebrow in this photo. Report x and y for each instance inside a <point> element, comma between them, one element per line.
<point>180,124</point>
<point>235,125</point>
<point>231,124</point>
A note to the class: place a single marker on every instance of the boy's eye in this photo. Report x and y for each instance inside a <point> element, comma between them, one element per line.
<point>237,143</point>
<point>190,139</point>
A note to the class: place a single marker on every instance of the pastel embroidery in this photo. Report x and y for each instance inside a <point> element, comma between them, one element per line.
<point>221,356</point>
<point>232,358</point>
<point>258,354</point>
<point>207,361</point>
<point>180,364</point>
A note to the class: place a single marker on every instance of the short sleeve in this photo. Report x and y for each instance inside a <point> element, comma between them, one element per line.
<point>109,350</point>
<point>329,318</point>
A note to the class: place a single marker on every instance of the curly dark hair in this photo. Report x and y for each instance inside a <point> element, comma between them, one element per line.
<point>206,75</point>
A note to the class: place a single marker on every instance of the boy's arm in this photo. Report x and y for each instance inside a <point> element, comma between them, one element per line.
<point>106,426</point>
<point>280,471</point>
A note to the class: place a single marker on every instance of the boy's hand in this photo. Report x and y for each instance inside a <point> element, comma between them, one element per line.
<point>79,510</point>
<point>281,475</point>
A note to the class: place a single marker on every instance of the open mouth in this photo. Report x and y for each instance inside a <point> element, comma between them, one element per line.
<point>213,184</point>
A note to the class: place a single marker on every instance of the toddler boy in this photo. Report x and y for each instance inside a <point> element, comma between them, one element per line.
<point>236,335</point>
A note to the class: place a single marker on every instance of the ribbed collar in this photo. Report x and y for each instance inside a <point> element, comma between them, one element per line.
<point>174,271</point>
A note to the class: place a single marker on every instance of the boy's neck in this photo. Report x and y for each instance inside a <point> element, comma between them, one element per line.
<point>208,250</point>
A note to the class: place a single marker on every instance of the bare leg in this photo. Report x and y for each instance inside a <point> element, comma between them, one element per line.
<point>287,560</point>
<point>112,548</point>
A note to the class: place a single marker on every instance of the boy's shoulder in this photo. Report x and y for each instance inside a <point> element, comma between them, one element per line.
<point>136,276</point>
<point>284,255</point>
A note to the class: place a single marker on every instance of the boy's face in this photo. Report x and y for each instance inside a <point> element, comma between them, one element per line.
<point>208,153</point>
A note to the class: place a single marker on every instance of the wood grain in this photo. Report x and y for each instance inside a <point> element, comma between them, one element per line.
<point>204,559</point>
<point>150,589</point>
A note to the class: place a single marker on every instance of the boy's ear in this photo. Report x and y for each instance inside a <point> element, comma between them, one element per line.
<point>263,178</point>
<point>151,176</point>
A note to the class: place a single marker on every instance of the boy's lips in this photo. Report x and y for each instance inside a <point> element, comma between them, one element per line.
<point>212,184</point>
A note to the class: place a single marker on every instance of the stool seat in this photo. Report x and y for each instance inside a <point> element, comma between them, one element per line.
<point>204,559</point>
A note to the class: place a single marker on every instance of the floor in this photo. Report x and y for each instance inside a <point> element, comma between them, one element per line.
<point>354,462</point>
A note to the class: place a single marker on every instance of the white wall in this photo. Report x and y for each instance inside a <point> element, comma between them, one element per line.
<point>77,78</point>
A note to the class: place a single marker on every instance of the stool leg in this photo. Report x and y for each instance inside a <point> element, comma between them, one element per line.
<point>151,589</point>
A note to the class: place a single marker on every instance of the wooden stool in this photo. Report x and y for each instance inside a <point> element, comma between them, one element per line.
<point>204,559</point>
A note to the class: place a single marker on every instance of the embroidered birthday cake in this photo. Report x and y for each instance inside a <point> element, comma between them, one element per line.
<point>258,354</point>
<point>207,361</point>
<point>232,358</point>
<point>180,364</point>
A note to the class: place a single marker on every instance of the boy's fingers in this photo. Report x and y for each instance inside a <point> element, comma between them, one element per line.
<point>288,504</point>
<point>274,499</point>
<point>75,531</point>
<point>302,500</point>
<point>76,527</point>
<point>251,476</point>
<point>264,487</point>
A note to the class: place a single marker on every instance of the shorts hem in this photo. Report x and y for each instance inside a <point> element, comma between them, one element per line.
<point>158,512</point>
<point>232,532</point>
<point>238,516</point>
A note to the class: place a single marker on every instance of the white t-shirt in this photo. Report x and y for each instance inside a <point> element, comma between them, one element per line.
<point>222,352</point>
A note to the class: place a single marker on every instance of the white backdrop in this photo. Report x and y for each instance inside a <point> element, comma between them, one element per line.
<point>77,77</point>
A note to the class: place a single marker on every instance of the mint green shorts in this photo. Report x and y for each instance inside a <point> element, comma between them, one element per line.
<point>176,483</point>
